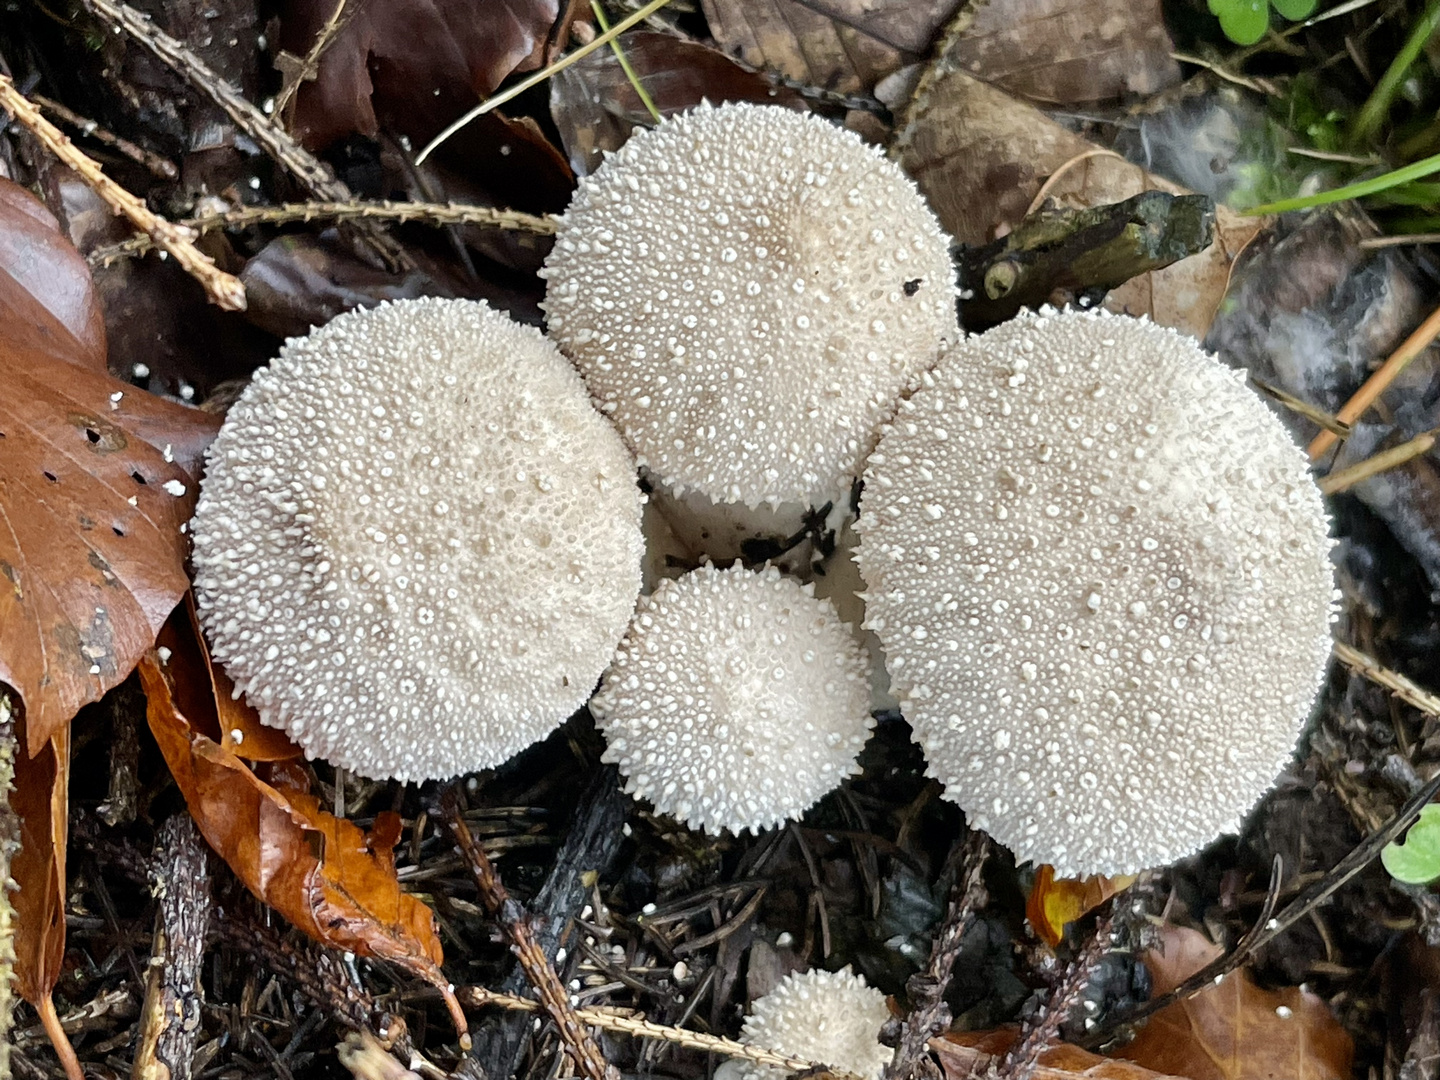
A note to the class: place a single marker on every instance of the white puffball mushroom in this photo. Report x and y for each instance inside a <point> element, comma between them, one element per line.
<point>746,291</point>
<point>830,1017</point>
<point>735,701</point>
<point>1099,569</point>
<point>417,542</point>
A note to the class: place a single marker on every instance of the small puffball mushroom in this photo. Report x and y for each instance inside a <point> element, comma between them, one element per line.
<point>1099,569</point>
<point>746,291</point>
<point>417,542</point>
<point>736,700</point>
<point>830,1017</point>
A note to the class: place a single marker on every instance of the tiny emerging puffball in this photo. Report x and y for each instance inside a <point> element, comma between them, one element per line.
<point>829,1017</point>
<point>747,290</point>
<point>384,636</point>
<point>735,701</point>
<point>1122,617</point>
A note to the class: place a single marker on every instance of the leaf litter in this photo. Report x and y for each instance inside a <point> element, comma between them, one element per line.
<point>1013,108</point>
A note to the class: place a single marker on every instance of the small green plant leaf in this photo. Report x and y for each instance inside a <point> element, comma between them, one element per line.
<point>1294,10</point>
<point>1417,860</point>
<point>1244,21</point>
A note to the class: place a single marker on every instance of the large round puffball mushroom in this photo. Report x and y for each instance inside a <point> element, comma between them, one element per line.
<point>417,542</point>
<point>747,290</point>
<point>736,700</point>
<point>1100,572</point>
<point>830,1017</point>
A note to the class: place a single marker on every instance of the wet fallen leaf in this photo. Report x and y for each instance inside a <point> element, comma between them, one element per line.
<point>1235,1030</point>
<point>964,1054</point>
<point>412,65</point>
<point>1053,904</point>
<point>96,480</point>
<point>219,713</point>
<point>45,286</point>
<point>981,157</point>
<point>595,106</point>
<point>841,45</point>
<point>41,799</point>
<point>1066,52</point>
<point>324,874</point>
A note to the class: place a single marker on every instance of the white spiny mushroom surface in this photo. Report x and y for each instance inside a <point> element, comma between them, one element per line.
<point>1099,569</point>
<point>736,700</point>
<point>747,290</point>
<point>830,1017</point>
<point>417,542</point>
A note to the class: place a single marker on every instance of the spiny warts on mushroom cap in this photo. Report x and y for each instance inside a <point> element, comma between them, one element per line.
<point>830,1017</point>
<point>1099,569</point>
<point>747,290</point>
<point>735,701</point>
<point>417,542</point>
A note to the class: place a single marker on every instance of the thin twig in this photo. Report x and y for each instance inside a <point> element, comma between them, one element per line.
<point>1375,464</point>
<point>647,1029</point>
<point>1043,1030</point>
<point>159,166</point>
<point>1377,384</point>
<point>313,174</point>
<point>223,289</point>
<point>1267,930</point>
<point>519,88</point>
<point>497,901</point>
<point>1393,681</point>
<point>928,1012</point>
<point>300,70</point>
<point>442,214</point>
<point>1318,417</point>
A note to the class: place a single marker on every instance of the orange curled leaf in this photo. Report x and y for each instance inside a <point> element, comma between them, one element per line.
<point>326,875</point>
<point>1235,1030</point>
<point>1053,904</point>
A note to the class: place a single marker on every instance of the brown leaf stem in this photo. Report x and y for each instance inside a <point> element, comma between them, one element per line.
<point>497,901</point>
<point>63,1050</point>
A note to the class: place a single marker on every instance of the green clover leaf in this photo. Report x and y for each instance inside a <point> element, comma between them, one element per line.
<point>1417,860</point>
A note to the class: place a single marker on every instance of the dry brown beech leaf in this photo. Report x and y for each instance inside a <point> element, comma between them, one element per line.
<point>595,106</point>
<point>411,65</point>
<point>840,45</point>
<point>324,874</point>
<point>41,801</point>
<point>45,288</point>
<point>1235,1030</point>
<point>1066,52</point>
<point>96,480</point>
<point>981,157</point>
<point>964,1054</point>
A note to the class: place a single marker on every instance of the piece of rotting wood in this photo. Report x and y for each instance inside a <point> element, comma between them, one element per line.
<point>538,966</point>
<point>1084,253</point>
<point>171,1015</point>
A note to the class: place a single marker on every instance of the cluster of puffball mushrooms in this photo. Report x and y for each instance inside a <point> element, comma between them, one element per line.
<point>1094,564</point>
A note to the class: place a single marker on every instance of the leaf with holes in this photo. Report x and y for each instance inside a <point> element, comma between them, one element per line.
<point>331,879</point>
<point>97,480</point>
